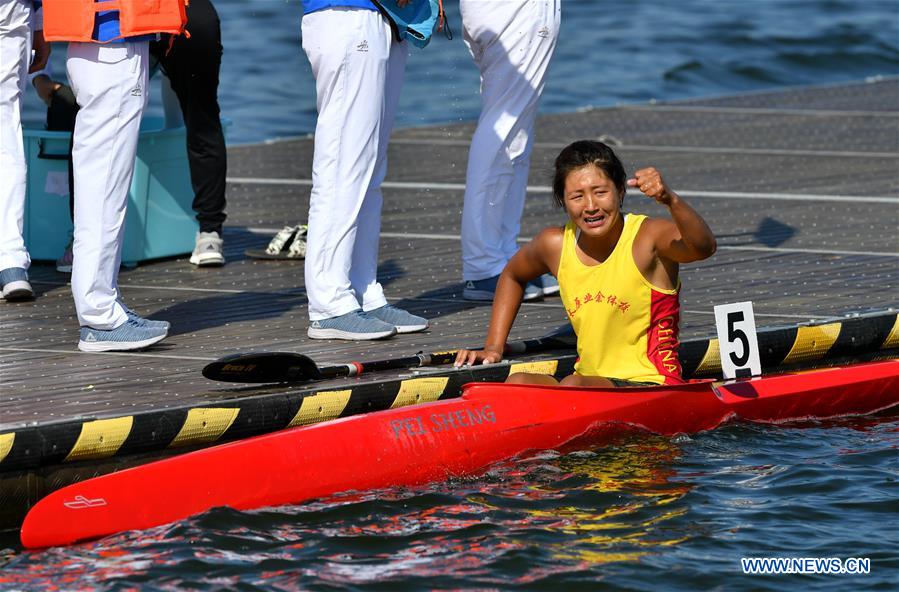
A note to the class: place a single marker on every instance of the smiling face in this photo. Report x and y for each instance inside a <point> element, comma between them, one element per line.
<point>592,201</point>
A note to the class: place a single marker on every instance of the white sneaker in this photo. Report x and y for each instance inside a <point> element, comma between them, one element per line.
<point>208,251</point>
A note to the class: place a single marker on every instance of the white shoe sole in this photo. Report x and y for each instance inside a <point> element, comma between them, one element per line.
<point>410,328</point>
<point>104,346</point>
<point>18,290</point>
<point>338,334</point>
<point>208,260</point>
<point>551,291</point>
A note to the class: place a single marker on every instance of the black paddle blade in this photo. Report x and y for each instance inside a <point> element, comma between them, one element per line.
<point>263,367</point>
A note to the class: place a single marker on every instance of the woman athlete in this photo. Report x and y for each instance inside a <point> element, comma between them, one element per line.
<point>618,273</point>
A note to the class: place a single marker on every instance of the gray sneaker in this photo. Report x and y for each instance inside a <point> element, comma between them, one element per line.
<point>548,284</point>
<point>132,334</point>
<point>355,326</point>
<point>405,322</point>
<point>150,323</point>
<point>484,290</point>
<point>209,250</point>
<point>14,284</point>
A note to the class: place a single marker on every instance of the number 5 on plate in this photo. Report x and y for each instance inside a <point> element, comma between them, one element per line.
<point>737,340</point>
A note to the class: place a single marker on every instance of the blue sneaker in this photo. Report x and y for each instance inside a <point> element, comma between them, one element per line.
<point>150,323</point>
<point>484,290</point>
<point>355,326</point>
<point>14,283</point>
<point>132,334</point>
<point>405,322</point>
<point>548,284</point>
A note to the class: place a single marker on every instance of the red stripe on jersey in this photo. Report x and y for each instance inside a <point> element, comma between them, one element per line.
<point>662,340</point>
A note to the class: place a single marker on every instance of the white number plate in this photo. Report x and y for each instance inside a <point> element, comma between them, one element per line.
<point>737,340</point>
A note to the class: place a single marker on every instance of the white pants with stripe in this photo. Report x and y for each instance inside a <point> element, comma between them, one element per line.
<point>512,43</point>
<point>15,57</point>
<point>358,72</point>
<point>110,85</point>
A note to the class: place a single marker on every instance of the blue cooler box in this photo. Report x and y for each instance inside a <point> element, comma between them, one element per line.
<point>160,221</point>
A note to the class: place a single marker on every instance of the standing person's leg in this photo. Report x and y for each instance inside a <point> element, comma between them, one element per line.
<point>110,84</point>
<point>512,44</point>
<point>15,56</point>
<point>348,49</point>
<point>193,66</point>
<point>546,15</point>
<point>363,272</point>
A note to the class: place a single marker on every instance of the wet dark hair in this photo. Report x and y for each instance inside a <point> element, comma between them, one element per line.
<point>578,155</point>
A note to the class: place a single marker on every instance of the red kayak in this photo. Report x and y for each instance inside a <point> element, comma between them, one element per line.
<point>425,443</point>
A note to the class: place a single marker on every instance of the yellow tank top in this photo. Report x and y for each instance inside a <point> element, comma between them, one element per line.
<point>626,327</point>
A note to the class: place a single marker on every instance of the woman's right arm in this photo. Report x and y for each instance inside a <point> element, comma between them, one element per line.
<point>530,262</point>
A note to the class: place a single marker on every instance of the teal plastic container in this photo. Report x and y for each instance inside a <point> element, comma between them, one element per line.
<point>159,222</point>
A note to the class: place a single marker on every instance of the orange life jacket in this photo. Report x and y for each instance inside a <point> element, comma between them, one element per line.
<point>73,20</point>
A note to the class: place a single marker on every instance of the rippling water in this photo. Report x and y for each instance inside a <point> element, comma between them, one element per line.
<point>608,53</point>
<point>639,512</point>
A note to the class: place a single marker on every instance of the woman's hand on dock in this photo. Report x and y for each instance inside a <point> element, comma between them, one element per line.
<point>470,357</point>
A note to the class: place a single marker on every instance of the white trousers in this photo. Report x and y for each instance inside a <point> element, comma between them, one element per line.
<point>512,43</point>
<point>15,57</point>
<point>110,85</point>
<point>358,72</point>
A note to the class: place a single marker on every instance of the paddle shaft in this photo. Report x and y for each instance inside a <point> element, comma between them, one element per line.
<point>357,368</point>
<point>435,359</point>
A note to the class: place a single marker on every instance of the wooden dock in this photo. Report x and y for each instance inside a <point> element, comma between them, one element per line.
<point>801,187</point>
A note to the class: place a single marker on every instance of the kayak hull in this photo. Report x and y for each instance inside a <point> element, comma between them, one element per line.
<point>431,442</point>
